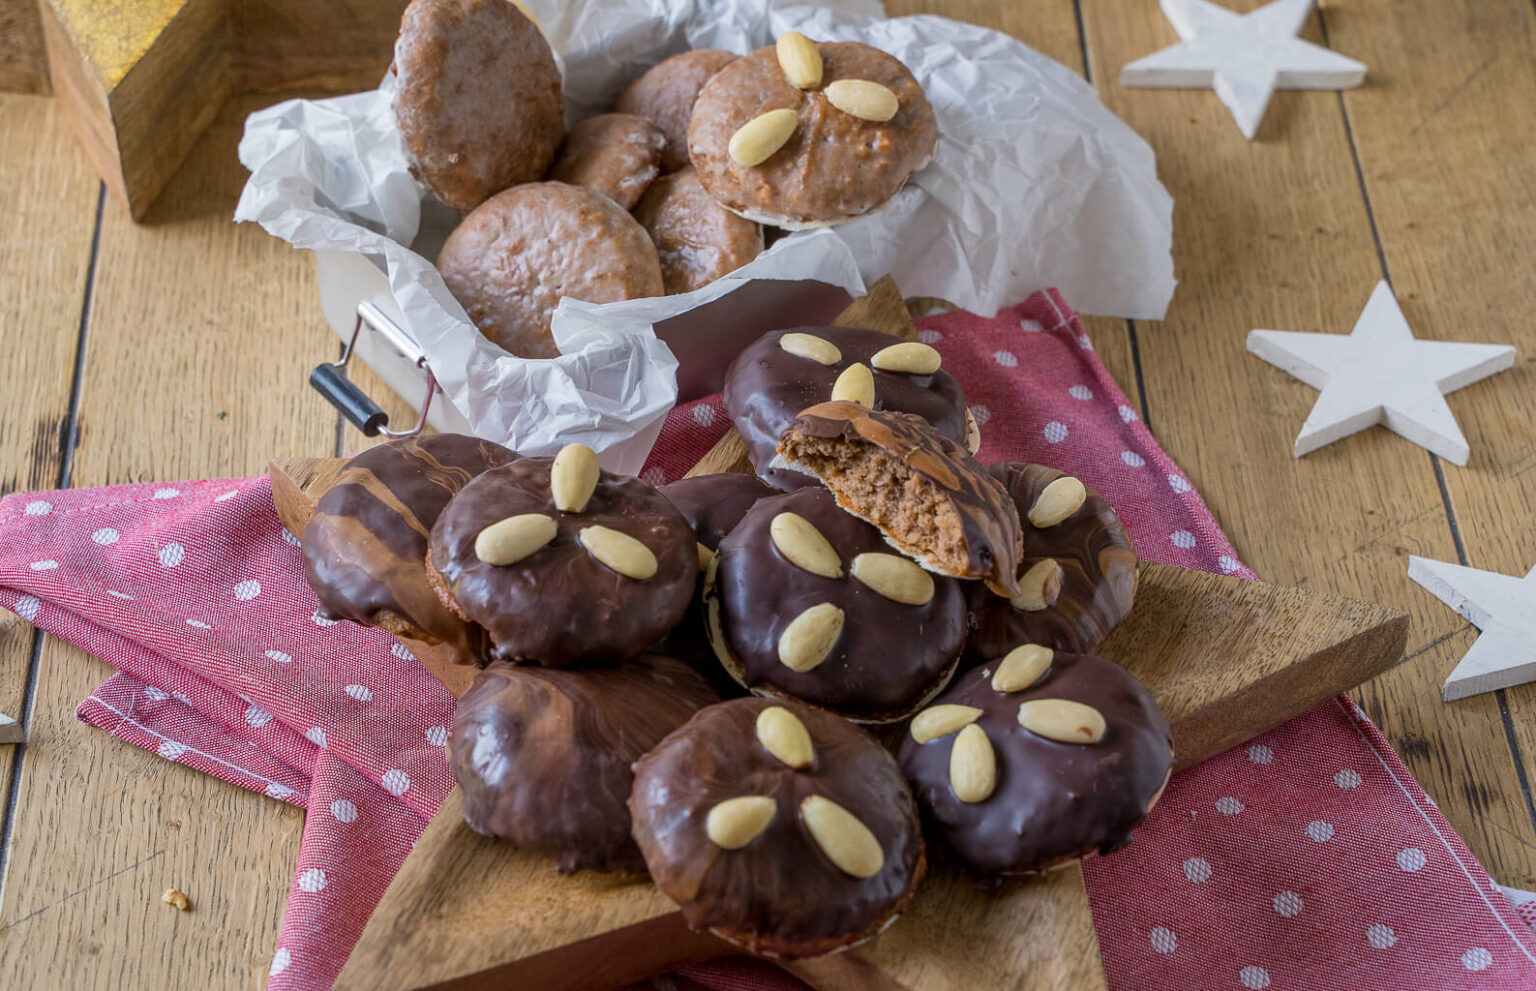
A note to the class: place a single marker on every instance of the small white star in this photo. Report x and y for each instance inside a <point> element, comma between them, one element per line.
<point>1503,607</point>
<point>1243,57</point>
<point>1381,374</point>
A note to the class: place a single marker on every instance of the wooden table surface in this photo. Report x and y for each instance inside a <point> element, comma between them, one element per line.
<point>179,348</point>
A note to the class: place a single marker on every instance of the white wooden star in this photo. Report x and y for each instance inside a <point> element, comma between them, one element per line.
<point>1243,57</point>
<point>1503,607</point>
<point>1381,374</point>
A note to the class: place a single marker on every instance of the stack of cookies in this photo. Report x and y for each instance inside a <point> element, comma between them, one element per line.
<point>678,681</point>
<point>666,193</point>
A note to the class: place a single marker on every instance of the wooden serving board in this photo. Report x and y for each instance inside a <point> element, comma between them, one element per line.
<point>1226,659</point>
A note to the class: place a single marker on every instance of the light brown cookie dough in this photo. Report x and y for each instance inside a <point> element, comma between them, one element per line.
<point>834,165</point>
<point>698,239</point>
<point>665,94</point>
<point>617,155</point>
<point>512,259</point>
<point>478,103</point>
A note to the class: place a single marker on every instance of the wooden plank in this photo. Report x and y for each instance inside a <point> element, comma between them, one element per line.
<point>48,197</point>
<point>1274,233</point>
<point>201,337</point>
<point>1446,163</point>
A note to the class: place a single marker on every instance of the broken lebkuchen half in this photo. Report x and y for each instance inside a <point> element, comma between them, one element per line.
<point>925,492</point>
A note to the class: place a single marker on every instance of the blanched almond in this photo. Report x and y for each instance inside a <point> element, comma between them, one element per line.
<point>800,59</point>
<point>845,840</point>
<point>811,347</point>
<point>784,736</point>
<point>1058,502</point>
<point>1039,586</point>
<point>573,477</point>
<point>619,551</point>
<point>908,357</point>
<point>810,636</point>
<point>738,821</point>
<point>514,538</point>
<point>942,720</point>
<point>1021,667</point>
<point>806,548</point>
<point>758,139</point>
<point>972,766</point>
<point>1062,720</point>
<point>863,99</point>
<point>855,385</point>
<point>894,577</point>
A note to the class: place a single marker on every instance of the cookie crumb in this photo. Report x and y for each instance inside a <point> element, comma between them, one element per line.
<point>178,899</point>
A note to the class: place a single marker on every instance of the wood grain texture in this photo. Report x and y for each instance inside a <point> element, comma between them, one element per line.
<point>48,198</point>
<point>200,338</point>
<point>1444,151</point>
<point>23,62</point>
<point>1275,233</point>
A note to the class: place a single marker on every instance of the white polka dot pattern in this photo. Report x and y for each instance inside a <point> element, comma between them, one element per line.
<point>1055,432</point>
<point>1411,859</point>
<point>1005,358</point>
<point>106,536</point>
<point>1132,459</point>
<point>1260,754</point>
<point>1030,326</point>
<point>27,607</point>
<point>1319,831</point>
<point>1347,779</point>
<point>280,961</point>
<point>247,590</point>
<point>1182,539</point>
<point>396,782</point>
<point>929,336</point>
<point>1081,393</point>
<point>1476,959</point>
<point>400,651</point>
<point>437,736</point>
<point>1164,940</point>
<point>38,507</point>
<point>1197,869</point>
<point>1255,978</point>
<point>704,414</point>
<point>981,415</point>
<point>343,810</point>
<point>315,735</point>
<point>278,656</point>
<point>171,554</point>
<point>1229,806</point>
<point>1380,936</point>
<point>1287,904</point>
<point>47,564</point>
<point>360,692</point>
<point>167,493</point>
<point>311,880</point>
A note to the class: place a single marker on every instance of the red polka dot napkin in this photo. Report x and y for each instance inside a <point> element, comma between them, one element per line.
<point>1309,858</point>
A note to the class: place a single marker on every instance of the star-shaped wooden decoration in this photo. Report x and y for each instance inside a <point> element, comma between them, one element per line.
<point>1381,374</point>
<point>1243,57</point>
<point>1503,607</point>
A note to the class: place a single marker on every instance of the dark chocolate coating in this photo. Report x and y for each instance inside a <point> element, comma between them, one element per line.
<point>365,549</point>
<point>989,528</point>
<point>1098,575</point>
<point>543,755</point>
<point>560,605</point>
<point>1053,802</point>
<point>779,895</point>
<point>766,387</point>
<point>888,658</point>
<point>714,504</point>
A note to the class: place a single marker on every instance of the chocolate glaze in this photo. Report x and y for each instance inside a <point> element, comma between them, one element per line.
<point>1098,575</point>
<point>889,656</point>
<point>712,505</point>
<point>560,605</point>
<point>365,548</point>
<point>778,896</point>
<point>1053,802</point>
<point>543,755</point>
<point>766,387</point>
<point>988,522</point>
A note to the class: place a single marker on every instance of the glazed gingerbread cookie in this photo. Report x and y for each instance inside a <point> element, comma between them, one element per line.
<point>802,134</point>
<point>617,155</point>
<point>778,827</point>
<point>365,548</point>
<point>697,239</point>
<point>1037,760</point>
<point>563,562</point>
<point>512,259</point>
<point>543,756</point>
<point>929,498</point>
<point>807,601</point>
<point>478,99</point>
<point>786,371</point>
<point>665,95</point>
<point>1077,575</point>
